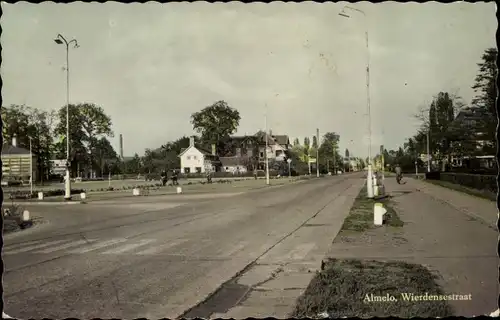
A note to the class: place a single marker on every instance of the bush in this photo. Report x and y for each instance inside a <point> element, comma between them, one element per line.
<point>474,181</point>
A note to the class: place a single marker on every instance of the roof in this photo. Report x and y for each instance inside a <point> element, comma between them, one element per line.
<point>281,139</point>
<point>233,161</point>
<point>8,149</point>
<point>202,149</point>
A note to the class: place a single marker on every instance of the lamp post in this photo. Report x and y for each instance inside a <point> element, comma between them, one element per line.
<point>61,40</point>
<point>317,153</point>
<point>369,176</point>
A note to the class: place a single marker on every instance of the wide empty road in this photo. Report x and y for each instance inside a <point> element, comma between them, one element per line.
<point>153,257</point>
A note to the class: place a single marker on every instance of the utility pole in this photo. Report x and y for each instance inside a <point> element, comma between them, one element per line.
<point>31,169</point>
<point>428,151</point>
<point>267,158</point>
<point>317,153</point>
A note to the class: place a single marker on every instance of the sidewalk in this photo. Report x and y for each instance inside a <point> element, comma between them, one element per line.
<point>479,208</point>
<point>442,231</point>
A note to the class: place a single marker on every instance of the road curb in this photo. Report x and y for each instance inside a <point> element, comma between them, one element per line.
<point>38,203</point>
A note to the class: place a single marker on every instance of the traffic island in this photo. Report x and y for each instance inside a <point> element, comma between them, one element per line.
<point>357,288</point>
<point>361,215</point>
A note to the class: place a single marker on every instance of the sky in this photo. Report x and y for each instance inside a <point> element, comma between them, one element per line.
<point>300,65</point>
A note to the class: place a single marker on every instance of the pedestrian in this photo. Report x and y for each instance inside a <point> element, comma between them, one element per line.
<point>174,178</point>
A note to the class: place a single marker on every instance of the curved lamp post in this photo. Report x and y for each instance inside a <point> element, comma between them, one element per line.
<point>61,40</point>
<point>369,176</point>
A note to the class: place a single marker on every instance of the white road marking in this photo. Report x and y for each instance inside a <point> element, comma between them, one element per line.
<point>19,245</point>
<point>98,246</point>
<point>129,247</point>
<point>157,249</point>
<point>37,246</point>
<point>66,246</point>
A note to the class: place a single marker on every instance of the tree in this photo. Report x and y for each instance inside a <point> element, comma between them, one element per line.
<point>328,150</point>
<point>27,122</point>
<point>315,142</point>
<point>87,123</point>
<point>105,155</point>
<point>296,142</point>
<point>216,122</point>
<point>347,153</point>
<point>486,90</point>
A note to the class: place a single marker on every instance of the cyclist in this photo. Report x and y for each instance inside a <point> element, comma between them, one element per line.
<point>399,174</point>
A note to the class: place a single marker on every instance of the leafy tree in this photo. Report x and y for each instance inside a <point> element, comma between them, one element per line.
<point>315,142</point>
<point>328,150</point>
<point>347,153</point>
<point>486,90</point>
<point>87,123</point>
<point>216,123</point>
<point>296,142</point>
<point>26,122</point>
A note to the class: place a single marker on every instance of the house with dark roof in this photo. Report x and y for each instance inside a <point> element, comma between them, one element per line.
<point>254,147</point>
<point>197,159</point>
<point>16,162</point>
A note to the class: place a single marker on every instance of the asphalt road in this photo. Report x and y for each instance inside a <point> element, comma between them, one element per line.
<point>151,257</point>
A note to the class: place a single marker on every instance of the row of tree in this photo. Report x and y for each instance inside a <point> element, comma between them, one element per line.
<point>443,135</point>
<point>89,128</point>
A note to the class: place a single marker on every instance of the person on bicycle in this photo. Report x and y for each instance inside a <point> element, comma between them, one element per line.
<point>399,174</point>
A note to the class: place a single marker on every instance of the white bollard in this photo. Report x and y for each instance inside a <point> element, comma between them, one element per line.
<point>26,216</point>
<point>136,192</point>
<point>40,195</point>
<point>83,196</point>
<point>179,190</point>
<point>375,190</point>
<point>378,214</point>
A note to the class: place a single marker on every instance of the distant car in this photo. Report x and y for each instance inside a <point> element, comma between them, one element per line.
<point>284,173</point>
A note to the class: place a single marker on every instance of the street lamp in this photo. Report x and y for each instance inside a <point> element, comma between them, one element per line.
<point>369,176</point>
<point>61,40</point>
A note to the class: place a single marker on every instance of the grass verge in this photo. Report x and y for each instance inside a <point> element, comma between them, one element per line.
<point>360,217</point>
<point>348,288</point>
<point>485,194</point>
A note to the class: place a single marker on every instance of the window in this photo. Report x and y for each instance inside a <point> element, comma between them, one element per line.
<point>194,157</point>
<point>198,169</point>
<point>186,170</point>
<point>262,154</point>
<point>227,168</point>
<point>189,157</point>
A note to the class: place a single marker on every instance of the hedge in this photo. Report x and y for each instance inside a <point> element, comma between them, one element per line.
<point>474,181</point>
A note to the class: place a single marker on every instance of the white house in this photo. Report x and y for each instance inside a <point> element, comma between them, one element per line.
<point>195,159</point>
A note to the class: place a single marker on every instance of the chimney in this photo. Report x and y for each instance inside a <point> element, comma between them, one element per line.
<point>191,141</point>
<point>214,150</point>
<point>14,140</point>
<point>270,132</point>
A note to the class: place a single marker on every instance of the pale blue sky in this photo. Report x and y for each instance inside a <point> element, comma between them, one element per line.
<point>151,65</point>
